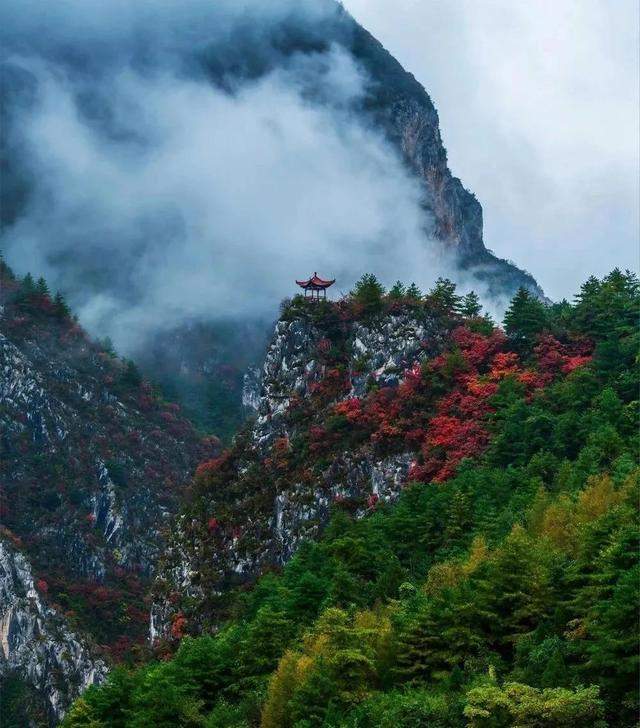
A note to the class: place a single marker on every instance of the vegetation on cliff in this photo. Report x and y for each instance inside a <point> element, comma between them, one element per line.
<point>500,589</point>
<point>91,457</point>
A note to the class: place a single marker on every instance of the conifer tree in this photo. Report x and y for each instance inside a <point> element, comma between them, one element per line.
<point>471,306</point>
<point>60,306</point>
<point>525,318</point>
<point>42,289</point>
<point>443,299</point>
<point>397,291</point>
<point>421,649</point>
<point>368,292</point>
<point>413,293</point>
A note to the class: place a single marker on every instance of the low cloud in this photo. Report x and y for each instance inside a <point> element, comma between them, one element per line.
<point>158,197</point>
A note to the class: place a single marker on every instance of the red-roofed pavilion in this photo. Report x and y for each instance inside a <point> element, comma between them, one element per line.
<point>315,286</point>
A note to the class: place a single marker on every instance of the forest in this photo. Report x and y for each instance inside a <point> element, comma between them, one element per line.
<point>500,589</point>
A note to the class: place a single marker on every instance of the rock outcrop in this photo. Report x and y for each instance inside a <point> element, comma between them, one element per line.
<point>261,506</point>
<point>36,643</point>
<point>92,466</point>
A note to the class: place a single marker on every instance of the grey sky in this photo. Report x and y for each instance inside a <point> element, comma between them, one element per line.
<point>538,105</point>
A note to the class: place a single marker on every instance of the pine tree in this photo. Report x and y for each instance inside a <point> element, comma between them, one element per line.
<point>397,292</point>
<point>368,292</point>
<point>471,306</point>
<point>42,289</point>
<point>28,285</point>
<point>60,306</point>
<point>525,318</point>
<point>421,648</point>
<point>413,293</point>
<point>443,299</point>
<point>5,271</point>
<point>131,376</point>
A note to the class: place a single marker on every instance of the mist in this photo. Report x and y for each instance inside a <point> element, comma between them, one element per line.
<point>540,110</point>
<point>158,197</point>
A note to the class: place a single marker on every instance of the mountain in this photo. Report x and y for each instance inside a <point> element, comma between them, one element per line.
<point>431,521</point>
<point>93,464</point>
<point>230,55</point>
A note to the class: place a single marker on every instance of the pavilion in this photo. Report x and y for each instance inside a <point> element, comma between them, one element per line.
<point>314,287</point>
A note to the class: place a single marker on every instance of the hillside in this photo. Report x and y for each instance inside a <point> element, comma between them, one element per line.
<point>93,464</point>
<point>473,494</point>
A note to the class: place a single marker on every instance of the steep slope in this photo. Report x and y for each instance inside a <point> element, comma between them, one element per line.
<point>93,463</point>
<point>395,104</point>
<point>493,582</point>
<point>253,505</point>
<point>38,648</point>
<point>275,487</point>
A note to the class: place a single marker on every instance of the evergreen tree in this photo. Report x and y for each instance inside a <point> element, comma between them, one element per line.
<point>422,650</point>
<point>28,286</point>
<point>42,289</point>
<point>413,293</point>
<point>368,292</point>
<point>397,292</point>
<point>443,299</point>
<point>471,306</point>
<point>60,306</point>
<point>525,319</point>
<point>5,271</point>
<point>130,376</point>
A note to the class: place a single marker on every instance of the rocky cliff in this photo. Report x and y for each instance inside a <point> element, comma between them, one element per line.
<point>253,506</point>
<point>92,467</point>
<point>37,646</point>
<point>201,361</point>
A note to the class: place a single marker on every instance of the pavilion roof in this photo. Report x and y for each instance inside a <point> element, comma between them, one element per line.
<point>315,282</point>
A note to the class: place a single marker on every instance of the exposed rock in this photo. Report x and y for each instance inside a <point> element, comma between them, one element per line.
<point>35,641</point>
<point>251,384</point>
<point>258,516</point>
<point>93,464</point>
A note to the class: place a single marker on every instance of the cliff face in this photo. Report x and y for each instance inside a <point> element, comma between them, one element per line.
<point>36,642</point>
<point>251,508</point>
<point>92,467</point>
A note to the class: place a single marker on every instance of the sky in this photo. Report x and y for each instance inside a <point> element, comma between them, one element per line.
<point>538,105</point>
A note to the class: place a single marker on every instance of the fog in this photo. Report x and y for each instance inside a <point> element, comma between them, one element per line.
<point>157,197</point>
<point>539,107</point>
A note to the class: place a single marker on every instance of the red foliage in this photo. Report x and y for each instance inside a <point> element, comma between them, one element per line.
<point>351,408</point>
<point>476,348</point>
<point>573,362</point>
<point>457,431</point>
<point>42,586</point>
<point>177,626</point>
<point>324,345</point>
<point>210,467</point>
<point>504,364</point>
<point>317,438</point>
<point>554,357</point>
<point>213,524</point>
<point>145,402</point>
<point>334,384</point>
<point>372,500</point>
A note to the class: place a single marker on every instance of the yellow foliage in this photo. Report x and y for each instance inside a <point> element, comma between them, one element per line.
<point>442,576</point>
<point>597,498</point>
<point>292,671</point>
<point>478,554</point>
<point>557,524</point>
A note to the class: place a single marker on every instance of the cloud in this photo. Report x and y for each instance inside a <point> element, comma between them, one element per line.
<point>181,201</point>
<point>539,111</point>
<point>184,165</point>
